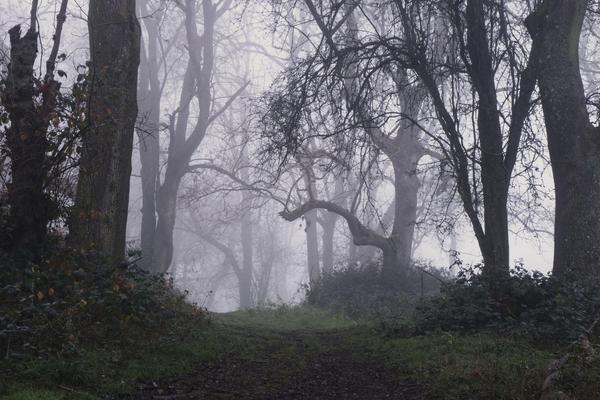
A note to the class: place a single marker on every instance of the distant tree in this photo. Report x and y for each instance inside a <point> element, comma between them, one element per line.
<point>150,90</point>
<point>100,213</point>
<point>337,66</point>
<point>185,137</point>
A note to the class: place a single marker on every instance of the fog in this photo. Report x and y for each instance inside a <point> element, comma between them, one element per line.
<point>218,174</point>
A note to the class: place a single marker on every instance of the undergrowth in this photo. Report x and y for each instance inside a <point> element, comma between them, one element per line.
<point>76,318</point>
<point>362,292</point>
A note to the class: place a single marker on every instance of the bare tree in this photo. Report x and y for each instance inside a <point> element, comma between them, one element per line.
<point>197,84</point>
<point>403,146</point>
<point>150,89</point>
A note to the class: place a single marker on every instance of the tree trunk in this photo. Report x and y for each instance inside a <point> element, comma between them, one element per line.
<point>27,144</point>
<point>166,207</point>
<point>245,281</point>
<point>149,96</point>
<point>495,177</point>
<point>406,188</point>
<point>166,199</point>
<point>312,246</point>
<point>100,214</point>
<point>574,143</point>
<point>327,235</point>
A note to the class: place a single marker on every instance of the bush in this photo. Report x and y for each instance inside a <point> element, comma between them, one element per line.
<point>361,293</point>
<point>72,300</point>
<point>529,304</point>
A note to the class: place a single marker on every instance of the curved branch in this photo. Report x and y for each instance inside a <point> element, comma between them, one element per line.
<point>361,235</point>
<point>226,250</point>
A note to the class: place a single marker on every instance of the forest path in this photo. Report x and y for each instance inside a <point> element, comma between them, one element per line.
<point>266,361</point>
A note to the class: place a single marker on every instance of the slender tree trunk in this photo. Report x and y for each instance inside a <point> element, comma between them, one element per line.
<point>312,246</point>
<point>100,215</point>
<point>574,143</point>
<point>495,177</point>
<point>149,97</point>
<point>352,251</point>
<point>245,281</point>
<point>166,199</point>
<point>149,158</point>
<point>166,207</point>
<point>329,222</point>
<point>267,260</point>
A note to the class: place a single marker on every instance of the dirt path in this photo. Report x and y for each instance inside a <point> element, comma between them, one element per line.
<point>274,365</point>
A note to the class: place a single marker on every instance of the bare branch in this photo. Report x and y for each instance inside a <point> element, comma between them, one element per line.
<point>361,235</point>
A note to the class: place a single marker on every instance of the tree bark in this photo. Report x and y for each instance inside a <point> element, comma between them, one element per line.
<point>495,177</point>
<point>312,246</point>
<point>574,143</point>
<point>406,187</point>
<point>327,236</point>
<point>100,213</point>
<point>149,100</point>
<point>27,144</point>
<point>246,278</point>
<point>30,207</point>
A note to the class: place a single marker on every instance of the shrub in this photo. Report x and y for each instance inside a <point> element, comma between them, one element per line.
<point>361,293</point>
<point>529,304</point>
<point>73,299</point>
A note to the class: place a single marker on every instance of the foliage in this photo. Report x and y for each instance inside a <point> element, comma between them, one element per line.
<point>66,123</point>
<point>579,375</point>
<point>528,303</point>
<point>73,299</point>
<point>362,293</point>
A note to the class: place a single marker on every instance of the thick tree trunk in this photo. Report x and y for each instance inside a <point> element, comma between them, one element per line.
<point>406,186</point>
<point>573,142</point>
<point>328,228</point>
<point>27,144</point>
<point>100,215</point>
<point>392,271</point>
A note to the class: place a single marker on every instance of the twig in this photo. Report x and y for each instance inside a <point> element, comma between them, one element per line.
<point>68,389</point>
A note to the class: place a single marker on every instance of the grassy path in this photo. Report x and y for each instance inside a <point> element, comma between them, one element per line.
<point>293,353</point>
<point>267,362</point>
<point>299,354</point>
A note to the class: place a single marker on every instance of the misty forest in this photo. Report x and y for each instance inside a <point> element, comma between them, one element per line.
<point>300,199</point>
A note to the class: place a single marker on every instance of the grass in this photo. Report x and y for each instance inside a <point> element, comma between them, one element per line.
<point>465,367</point>
<point>288,318</point>
<point>93,372</point>
<point>448,366</point>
